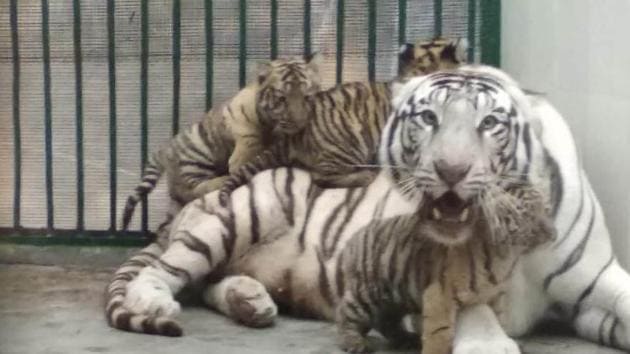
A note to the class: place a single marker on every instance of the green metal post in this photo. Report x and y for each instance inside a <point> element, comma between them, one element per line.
<point>307,27</point>
<point>144,98</point>
<point>402,22</point>
<point>78,88</point>
<point>437,15</point>
<point>340,25</point>
<point>491,32</point>
<point>209,52</point>
<point>47,118</point>
<point>371,40</point>
<point>17,135</point>
<point>242,57</point>
<point>176,64</point>
<point>111,65</point>
<point>274,29</point>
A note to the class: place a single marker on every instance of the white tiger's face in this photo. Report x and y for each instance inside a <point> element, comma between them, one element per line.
<point>451,136</point>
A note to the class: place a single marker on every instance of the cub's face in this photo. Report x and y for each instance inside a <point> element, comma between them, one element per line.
<point>283,84</point>
<point>426,57</point>
<point>452,135</point>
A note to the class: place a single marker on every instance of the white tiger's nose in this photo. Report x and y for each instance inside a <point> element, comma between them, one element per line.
<point>449,173</point>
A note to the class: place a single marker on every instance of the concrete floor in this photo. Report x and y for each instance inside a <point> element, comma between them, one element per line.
<point>56,310</point>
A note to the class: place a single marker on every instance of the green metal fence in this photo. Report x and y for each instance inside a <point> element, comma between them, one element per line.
<point>94,86</point>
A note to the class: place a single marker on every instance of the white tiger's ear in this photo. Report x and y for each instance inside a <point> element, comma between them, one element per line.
<point>461,50</point>
<point>263,69</point>
<point>314,61</point>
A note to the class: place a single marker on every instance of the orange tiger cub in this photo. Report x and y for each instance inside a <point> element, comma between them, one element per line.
<point>407,265</point>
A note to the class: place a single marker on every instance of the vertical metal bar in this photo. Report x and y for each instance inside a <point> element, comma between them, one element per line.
<point>402,22</point>
<point>437,14</point>
<point>209,53</point>
<point>17,135</point>
<point>472,17</point>
<point>242,38</point>
<point>491,32</point>
<point>111,68</point>
<point>371,39</point>
<point>340,21</point>
<point>274,29</point>
<point>78,88</point>
<point>144,98</point>
<point>47,118</point>
<point>307,27</point>
<point>176,64</point>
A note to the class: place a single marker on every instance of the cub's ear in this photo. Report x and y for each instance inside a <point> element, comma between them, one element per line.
<point>263,69</point>
<point>314,60</point>
<point>456,51</point>
<point>406,54</point>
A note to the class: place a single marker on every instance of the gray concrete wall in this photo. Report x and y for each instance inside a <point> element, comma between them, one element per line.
<point>576,51</point>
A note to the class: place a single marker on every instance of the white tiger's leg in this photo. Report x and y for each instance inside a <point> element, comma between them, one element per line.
<point>202,237</point>
<point>586,273</point>
<point>205,235</point>
<point>243,299</point>
<point>607,298</point>
<point>477,331</point>
<point>602,327</point>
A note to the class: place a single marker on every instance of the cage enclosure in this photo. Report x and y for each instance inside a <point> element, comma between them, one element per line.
<point>90,88</point>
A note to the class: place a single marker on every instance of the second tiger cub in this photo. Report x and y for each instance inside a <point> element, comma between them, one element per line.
<point>404,265</point>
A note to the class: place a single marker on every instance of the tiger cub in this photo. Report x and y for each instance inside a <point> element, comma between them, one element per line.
<point>401,265</point>
<point>198,160</point>
<point>338,144</point>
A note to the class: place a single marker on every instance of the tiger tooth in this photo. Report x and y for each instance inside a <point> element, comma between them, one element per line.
<point>436,214</point>
<point>464,215</point>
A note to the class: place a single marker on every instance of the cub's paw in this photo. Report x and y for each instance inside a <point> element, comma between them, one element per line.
<point>150,296</point>
<point>487,346</point>
<point>355,343</point>
<point>249,302</point>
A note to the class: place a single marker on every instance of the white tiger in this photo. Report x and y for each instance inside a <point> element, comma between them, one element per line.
<point>279,240</point>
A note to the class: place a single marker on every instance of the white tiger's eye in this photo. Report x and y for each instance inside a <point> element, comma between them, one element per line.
<point>429,117</point>
<point>488,122</point>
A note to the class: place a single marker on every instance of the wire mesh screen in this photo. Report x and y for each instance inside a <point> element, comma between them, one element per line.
<point>89,88</point>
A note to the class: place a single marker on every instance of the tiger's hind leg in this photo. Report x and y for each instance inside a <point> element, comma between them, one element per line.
<point>602,327</point>
<point>242,298</point>
<point>209,185</point>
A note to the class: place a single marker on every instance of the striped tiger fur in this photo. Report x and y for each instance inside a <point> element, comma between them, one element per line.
<point>198,159</point>
<point>339,143</point>
<point>395,267</point>
<point>281,238</point>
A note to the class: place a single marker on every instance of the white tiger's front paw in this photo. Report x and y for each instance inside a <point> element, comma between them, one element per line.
<point>245,300</point>
<point>487,346</point>
<point>150,296</point>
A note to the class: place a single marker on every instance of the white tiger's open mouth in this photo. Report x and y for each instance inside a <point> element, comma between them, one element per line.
<point>450,208</point>
<point>449,219</point>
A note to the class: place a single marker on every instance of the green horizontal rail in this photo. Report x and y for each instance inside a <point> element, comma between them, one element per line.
<point>43,237</point>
